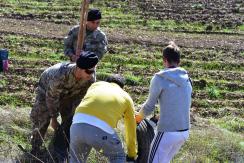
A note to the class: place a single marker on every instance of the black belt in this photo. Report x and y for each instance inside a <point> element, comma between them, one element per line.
<point>182,130</point>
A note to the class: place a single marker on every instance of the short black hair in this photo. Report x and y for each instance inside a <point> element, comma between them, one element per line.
<point>94,14</point>
<point>116,78</point>
<point>172,53</point>
<point>87,60</point>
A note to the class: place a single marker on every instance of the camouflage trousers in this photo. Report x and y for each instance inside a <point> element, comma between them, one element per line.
<point>40,117</point>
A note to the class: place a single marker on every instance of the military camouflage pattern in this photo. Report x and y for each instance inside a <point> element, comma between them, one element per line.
<point>58,92</point>
<point>95,41</point>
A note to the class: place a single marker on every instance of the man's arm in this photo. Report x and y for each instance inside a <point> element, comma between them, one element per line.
<point>154,93</point>
<point>68,43</point>
<point>102,46</point>
<point>130,130</point>
<point>53,100</point>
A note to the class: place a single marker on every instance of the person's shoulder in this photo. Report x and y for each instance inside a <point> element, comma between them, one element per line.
<point>53,67</point>
<point>159,76</point>
<point>74,29</point>
<point>60,69</point>
<point>99,33</point>
<point>66,66</point>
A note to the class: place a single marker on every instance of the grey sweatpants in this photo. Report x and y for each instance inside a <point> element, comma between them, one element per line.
<point>84,136</point>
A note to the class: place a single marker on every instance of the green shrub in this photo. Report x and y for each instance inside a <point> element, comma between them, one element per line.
<point>213,92</point>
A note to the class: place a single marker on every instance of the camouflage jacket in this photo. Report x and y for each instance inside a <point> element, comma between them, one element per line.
<point>95,41</point>
<point>58,83</point>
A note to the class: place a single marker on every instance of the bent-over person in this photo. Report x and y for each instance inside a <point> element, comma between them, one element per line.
<point>60,89</point>
<point>98,114</point>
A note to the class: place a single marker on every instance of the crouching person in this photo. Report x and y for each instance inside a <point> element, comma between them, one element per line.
<point>60,90</point>
<point>95,119</point>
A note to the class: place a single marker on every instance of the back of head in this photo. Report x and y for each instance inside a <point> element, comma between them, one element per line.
<point>116,78</point>
<point>94,14</point>
<point>87,60</point>
<point>172,53</point>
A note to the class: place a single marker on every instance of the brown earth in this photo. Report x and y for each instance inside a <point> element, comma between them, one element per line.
<point>225,13</point>
<point>58,31</point>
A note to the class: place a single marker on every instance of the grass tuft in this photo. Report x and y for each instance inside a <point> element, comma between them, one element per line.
<point>213,92</point>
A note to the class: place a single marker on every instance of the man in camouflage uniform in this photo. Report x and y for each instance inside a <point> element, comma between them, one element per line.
<point>60,90</point>
<point>95,40</point>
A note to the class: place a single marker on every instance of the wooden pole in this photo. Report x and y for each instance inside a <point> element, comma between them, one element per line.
<point>82,29</point>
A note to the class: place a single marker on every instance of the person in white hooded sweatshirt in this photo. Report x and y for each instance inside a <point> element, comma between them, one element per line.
<point>172,88</point>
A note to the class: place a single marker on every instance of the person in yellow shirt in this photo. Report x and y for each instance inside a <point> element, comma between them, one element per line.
<point>104,104</point>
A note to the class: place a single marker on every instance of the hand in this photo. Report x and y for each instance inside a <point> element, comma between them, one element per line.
<point>54,123</point>
<point>73,58</point>
<point>155,119</point>
<point>138,118</point>
<point>130,159</point>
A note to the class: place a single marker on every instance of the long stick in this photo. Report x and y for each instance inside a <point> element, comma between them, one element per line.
<point>25,151</point>
<point>82,29</point>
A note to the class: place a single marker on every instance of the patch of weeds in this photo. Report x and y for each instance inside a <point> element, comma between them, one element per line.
<point>153,24</point>
<point>6,143</point>
<point>102,75</point>
<point>169,24</point>
<point>186,64</point>
<point>227,30</point>
<point>19,135</point>
<point>9,142</point>
<point>201,103</point>
<point>219,66</point>
<point>242,54</point>
<point>132,80</point>
<point>8,99</point>
<point>199,84</point>
<point>54,56</point>
<point>138,99</point>
<point>241,27</point>
<point>3,83</point>
<point>122,60</point>
<point>198,6</point>
<point>233,124</point>
<point>20,41</point>
<point>212,144</point>
<point>213,92</point>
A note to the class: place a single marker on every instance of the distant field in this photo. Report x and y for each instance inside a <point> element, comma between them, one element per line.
<point>210,35</point>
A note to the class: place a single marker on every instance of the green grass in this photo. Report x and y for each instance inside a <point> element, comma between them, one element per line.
<point>14,128</point>
<point>3,83</point>
<point>220,66</point>
<point>117,15</point>
<point>132,80</point>
<point>241,27</point>
<point>233,124</point>
<point>137,62</point>
<point>242,54</point>
<point>13,100</point>
<point>210,145</point>
<point>213,92</point>
<point>30,48</point>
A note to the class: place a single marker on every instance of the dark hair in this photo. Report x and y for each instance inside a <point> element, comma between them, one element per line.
<point>94,14</point>
<point>116,78</point>
<point>172,53</point>
<point>87,60</point>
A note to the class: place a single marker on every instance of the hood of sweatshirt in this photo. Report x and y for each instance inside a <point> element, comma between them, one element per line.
<point>178,75</point>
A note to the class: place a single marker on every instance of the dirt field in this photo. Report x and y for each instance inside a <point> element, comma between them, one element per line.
<point>33,32</point>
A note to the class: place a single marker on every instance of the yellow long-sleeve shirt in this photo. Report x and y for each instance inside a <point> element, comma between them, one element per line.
<point>110,103</point>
